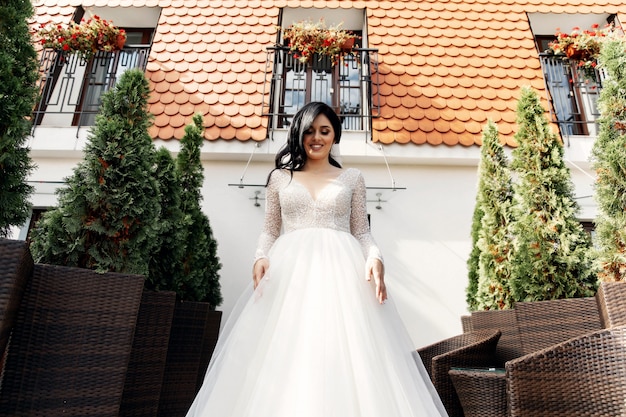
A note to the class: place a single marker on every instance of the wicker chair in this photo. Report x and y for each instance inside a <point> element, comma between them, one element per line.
<point>509,345</point>
<point>482,392</point>
<point>71,343</point>
<point>584,377</point>
<point>466,323</point>
<point>611,297</point>
<point>472,349</point>
<point>144,378</point>
<point>545,323</point>
<point>16,268</point>
<point>530,327</point>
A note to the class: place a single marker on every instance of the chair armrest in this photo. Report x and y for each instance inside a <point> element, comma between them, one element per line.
<point>467,350</point>
<point>583,376</point>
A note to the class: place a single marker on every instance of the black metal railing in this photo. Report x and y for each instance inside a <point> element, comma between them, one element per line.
<point>71,86</point>
<point>351,87</point>
<point>573,93</point>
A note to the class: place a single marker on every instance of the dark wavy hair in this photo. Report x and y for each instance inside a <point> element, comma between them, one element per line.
<point>292,155</point>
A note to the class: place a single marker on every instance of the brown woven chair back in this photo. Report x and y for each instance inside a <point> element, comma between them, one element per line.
<point>71,343</point>
<point>545,323</point>
<point>466,323</point>
<point>16,268</point>
<point>144,378</point>
<point>509,345</point>
<point>611,298</point>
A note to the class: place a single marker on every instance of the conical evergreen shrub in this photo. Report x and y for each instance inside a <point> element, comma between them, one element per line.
<point>551,257</point>
<point>166,262</point>
<point>494,243</point>
<point>108,215</point>
<point>201,265</point>
<point>609,161</point>
<point>18,94</point>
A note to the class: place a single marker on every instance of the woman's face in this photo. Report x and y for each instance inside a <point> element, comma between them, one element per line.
<point>319,138</point>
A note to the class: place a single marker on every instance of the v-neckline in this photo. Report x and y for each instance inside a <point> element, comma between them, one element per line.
<point>321,191</point>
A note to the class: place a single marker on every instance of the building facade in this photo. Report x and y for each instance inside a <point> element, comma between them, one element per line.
<point>423,81</point>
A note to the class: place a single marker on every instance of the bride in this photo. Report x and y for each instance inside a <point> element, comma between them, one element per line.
<point>317,337</point>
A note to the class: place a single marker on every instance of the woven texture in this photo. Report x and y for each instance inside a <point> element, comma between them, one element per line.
<point>467,350</point>
<point>481,393</point>
<point>582,377</point>
<point>509,345</point>
<point>16,267</point>
<point>545,323</point>
<point>183,358</point>
<point>71,343</point>
<point>466,322</point>
<point>611,298</point>
<point>144,378</point>
<point>209,341</point>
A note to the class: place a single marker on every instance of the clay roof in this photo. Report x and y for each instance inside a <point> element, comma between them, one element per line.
<point>446,66</point>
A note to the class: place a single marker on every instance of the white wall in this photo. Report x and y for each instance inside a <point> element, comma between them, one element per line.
<point>423,230</point>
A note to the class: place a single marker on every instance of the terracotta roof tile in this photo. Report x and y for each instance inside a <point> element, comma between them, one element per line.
<point>446,66</point>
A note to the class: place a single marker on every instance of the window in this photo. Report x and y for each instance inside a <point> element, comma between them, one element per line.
<point>337,86</point>
<point>572,93</point>
<point>349,87</point>
<point>71,87</point>
<point>104,70</point>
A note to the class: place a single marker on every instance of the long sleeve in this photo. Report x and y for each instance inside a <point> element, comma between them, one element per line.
<point>359,225</point>
<point>273,219</point>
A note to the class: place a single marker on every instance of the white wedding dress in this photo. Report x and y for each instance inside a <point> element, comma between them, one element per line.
<point>312,340</point>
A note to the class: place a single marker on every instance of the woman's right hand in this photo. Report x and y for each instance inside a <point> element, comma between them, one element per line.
<point>259,269</point>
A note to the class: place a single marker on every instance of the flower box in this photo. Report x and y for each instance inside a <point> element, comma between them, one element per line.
<point>84,38</point>
<point>307,39</point>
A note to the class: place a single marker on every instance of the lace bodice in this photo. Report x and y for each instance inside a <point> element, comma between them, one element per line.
<point>340,205</point>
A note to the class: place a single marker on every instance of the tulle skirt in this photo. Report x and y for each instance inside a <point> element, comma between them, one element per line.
<point>312,341</point>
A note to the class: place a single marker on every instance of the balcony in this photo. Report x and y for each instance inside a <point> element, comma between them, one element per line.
<point>573,96</point>
<point>71,87</point>
<point>350,87</point>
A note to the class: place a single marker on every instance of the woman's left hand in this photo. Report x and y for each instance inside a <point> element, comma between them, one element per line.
<point>376,269</point>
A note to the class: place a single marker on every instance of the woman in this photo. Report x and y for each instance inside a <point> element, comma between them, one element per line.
<point>316,339</point>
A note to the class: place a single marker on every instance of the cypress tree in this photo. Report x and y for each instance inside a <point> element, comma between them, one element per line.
<point>166,262</point>
<point>18,93</point>
<point>108,215</point>
<point>551,257</point>
<point>495,196</point>
<point>609,161</point>
<point>472,261</point>
<point>200,261</point>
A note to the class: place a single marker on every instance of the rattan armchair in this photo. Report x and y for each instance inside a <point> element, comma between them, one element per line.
<point>71,343</point>
<point>584,376</point>
<point>472,349</point>
<point>529,327</point>
<point>16,268</point>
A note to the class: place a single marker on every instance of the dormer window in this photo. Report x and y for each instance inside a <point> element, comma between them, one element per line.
<point>72,84</point>
<point>573,89</point>
<point>346,84</point>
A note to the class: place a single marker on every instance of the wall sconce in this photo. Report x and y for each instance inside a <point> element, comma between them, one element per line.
<point>256,199</point>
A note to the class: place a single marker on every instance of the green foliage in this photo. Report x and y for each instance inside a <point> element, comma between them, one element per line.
<point>200,262</point>
<point>166,269</point>
<point>472,261</point>
<point>18,92</point>
<point>108,215</point>
<point>494,243</point>
<point>551,257</point>
<point>609,161</point>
